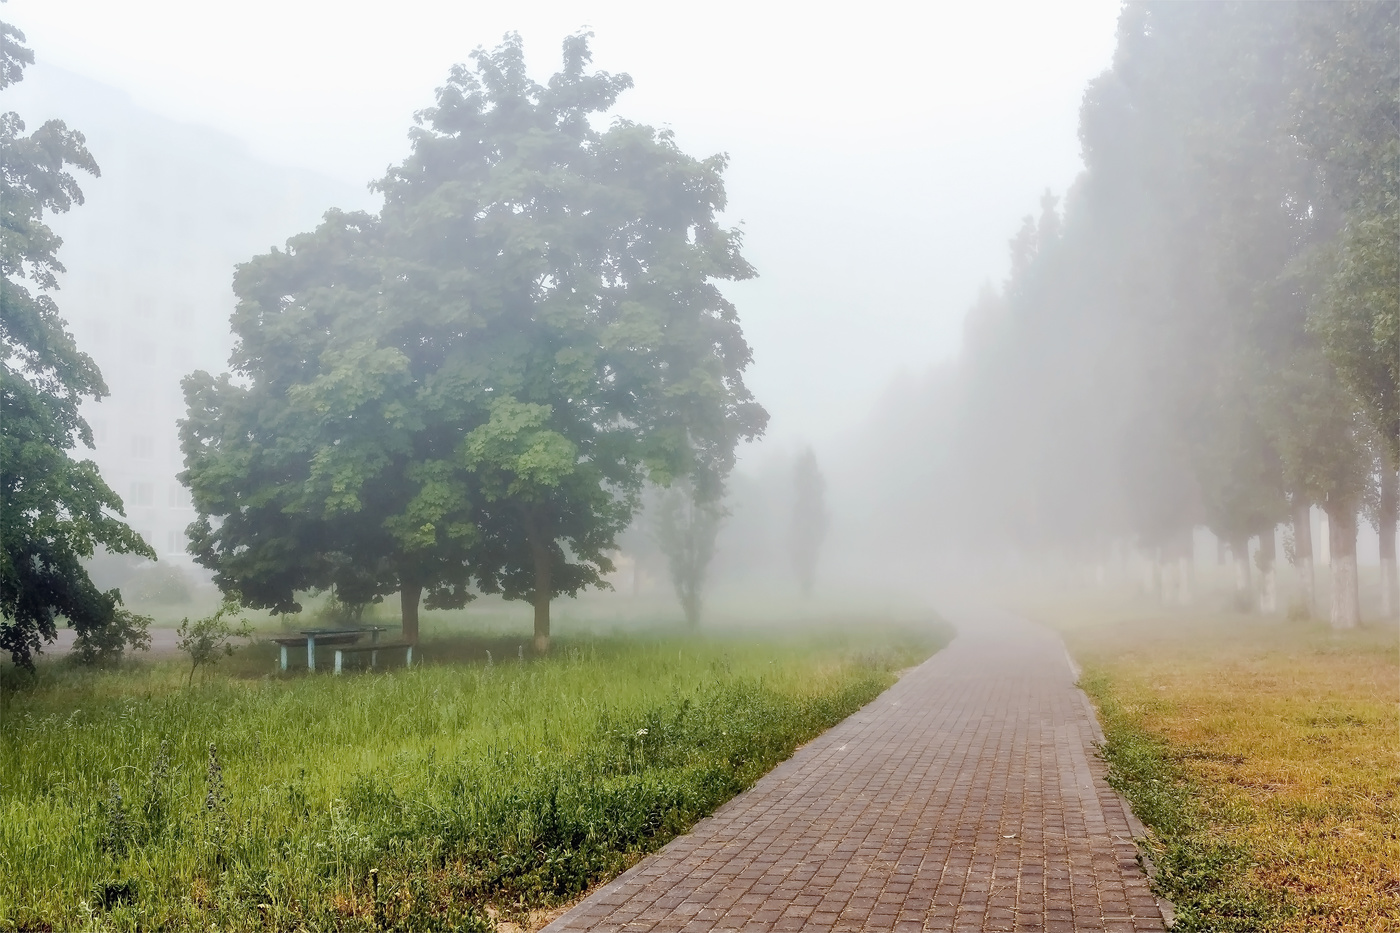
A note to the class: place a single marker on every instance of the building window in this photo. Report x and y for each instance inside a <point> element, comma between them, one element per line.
<point>142,494</point>
<point>173,542</point>
<point>143,447</point>
<point>179,497</point>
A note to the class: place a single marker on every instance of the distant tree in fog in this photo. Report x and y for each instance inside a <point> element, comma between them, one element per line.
<point>55,511</point>
<point>473,384</point>
<point>685,527</point>
<point>809,519</point>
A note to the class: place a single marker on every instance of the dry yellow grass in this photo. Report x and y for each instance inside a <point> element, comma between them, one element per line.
<point>1289,735</point>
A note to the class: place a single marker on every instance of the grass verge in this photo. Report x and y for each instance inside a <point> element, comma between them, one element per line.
<point>1262,755</point>
<point>431,798</point>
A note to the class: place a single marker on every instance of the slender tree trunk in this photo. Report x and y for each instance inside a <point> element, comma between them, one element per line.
<point>1268,576</point>
<point>409,594</point>
<point>1185,566</point>
<point>1152,577</point>
<point>1244,589</point>
<point>1346,594</point>
<point>1389,507</point>
<point>1303,555</point>
<point>1170,589</point>
<point>543,557</point>
<point>1324,540</point>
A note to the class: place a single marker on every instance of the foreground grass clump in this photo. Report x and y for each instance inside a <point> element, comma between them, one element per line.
<point>1262,755</point>
<point>411,800</point>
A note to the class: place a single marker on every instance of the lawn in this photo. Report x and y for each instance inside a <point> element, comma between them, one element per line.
<point>438,797</point>
<point>1262,754</point>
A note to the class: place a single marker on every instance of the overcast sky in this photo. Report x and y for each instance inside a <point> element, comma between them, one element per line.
<point>882,154</point>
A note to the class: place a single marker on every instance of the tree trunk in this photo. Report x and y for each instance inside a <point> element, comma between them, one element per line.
<point>1169,581</point>
<point>543,557</point>
<point>1303,556</point>
<point>1389,507</point>
<point>409,594</point>
<point>1268,577</point>
<point>1185,549</point>
<point>1346,595</point>
<point>1244,589</point>
<point>1152,577</point>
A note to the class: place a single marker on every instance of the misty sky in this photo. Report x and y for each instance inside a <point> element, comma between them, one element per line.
<point>882,154</point>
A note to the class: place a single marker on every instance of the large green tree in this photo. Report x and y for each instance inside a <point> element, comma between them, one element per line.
<point>55,511</point>
<point>475,382</point>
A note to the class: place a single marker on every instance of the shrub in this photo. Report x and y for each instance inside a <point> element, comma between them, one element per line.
<point>212,637</point>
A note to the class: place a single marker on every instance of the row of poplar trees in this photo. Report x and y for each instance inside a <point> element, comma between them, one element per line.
<point>1208,332</point>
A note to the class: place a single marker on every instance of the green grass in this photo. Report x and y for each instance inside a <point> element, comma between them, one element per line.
<point>412,799</point>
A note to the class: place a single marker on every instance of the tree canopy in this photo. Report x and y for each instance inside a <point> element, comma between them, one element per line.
<point>471,386</point>
<point>56,510</point>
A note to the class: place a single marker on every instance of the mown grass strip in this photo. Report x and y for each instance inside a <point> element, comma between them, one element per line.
<point>1206,880</point>
<point>1261,752</point>
<point>411,800</point>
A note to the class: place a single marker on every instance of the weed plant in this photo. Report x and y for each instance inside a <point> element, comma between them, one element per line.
<point>408,800</point>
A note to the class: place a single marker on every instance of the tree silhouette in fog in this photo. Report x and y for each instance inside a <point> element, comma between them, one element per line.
<point>685,526</point>
<point>809,519</point>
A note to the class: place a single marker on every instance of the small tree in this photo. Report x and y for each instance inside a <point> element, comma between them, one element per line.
<point>809,519</point>
<point>210,638</point>
<point>685,527</point>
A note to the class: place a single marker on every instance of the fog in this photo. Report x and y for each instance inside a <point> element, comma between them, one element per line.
<point>878,158</point>
<point>882,158</point>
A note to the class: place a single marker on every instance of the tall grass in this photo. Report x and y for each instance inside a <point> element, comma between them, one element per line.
<point>412,799</point>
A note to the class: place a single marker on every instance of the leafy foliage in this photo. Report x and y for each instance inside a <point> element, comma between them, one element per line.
<point>56,511</point>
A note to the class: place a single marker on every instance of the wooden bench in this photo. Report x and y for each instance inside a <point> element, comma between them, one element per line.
<point>374,649</point>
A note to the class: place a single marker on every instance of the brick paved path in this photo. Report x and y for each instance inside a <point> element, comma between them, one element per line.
<point>967,797</point>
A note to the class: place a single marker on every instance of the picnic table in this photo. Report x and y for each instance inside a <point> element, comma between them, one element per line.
<point>327,636</point>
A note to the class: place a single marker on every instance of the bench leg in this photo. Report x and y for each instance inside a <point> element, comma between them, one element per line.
<point>284,656</point>
<point>373,656</point>
<point>408,657</point>
<point>337,660</point>
<point>311,654</point>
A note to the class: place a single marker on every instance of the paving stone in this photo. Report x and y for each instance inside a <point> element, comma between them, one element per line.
<point>966,797</point>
